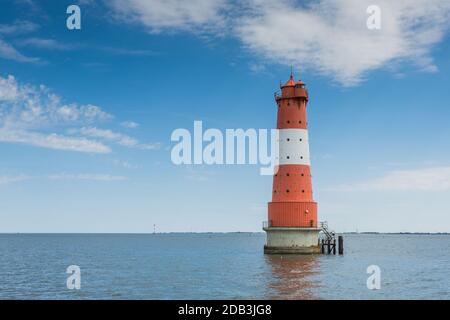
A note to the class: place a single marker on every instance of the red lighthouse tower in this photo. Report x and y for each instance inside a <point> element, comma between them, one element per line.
<point>292,220</point>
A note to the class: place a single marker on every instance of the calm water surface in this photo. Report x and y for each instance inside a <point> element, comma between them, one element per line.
<point>219,266</point>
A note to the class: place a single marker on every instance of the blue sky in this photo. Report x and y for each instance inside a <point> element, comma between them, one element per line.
<point>86,115</point>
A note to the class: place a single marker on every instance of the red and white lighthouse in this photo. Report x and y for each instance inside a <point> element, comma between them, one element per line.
<point>292,219</point>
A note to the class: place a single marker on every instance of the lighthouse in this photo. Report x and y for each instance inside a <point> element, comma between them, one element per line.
<point>292,213</point>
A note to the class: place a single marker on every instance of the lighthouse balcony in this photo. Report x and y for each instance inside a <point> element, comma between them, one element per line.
<point>292,93</point>
<point>267,224</point>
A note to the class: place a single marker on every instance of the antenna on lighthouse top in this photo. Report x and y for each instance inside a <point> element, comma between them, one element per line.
<point>292,74</point>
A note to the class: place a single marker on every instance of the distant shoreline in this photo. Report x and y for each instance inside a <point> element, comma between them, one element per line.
<point>399,233</point>
<point>230,232</point>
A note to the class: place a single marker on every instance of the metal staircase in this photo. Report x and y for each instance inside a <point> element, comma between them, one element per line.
<point>327,238</point>
<point>326,233</point>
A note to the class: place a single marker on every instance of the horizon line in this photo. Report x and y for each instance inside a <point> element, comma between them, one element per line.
<point>211,232</point>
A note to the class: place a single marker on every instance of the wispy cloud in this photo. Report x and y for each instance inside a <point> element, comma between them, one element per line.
<point>90,177</point>
<point>119,138</point>
<point>7,51</point>
<point>28,112</point>
<point>107,134</point>
<point>158,16</point>
<point>5,180</point>
<point>29,106</point>
<point>124,164</point>
<point>49,44</point>
<point>258,68</point>
<point>332,38</point>
<point>18,27</point>
<point>53,44</point>
<point>328,37</point>
<point>199,175</point>
<point>124,51</point>
<point>52,141</point>
<point>11,179</point>
<point>129,124</point>
<point>428,179</point>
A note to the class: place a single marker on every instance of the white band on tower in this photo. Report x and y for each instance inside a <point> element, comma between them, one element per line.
<point>294,147</point>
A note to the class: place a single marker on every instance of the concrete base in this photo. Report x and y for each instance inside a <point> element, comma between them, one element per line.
<point>282,240</point>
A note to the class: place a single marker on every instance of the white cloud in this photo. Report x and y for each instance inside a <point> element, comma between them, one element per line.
<point>124,51</point>
<point>7,51</point>
<point>4,180</point>
<point>53,44</point>
<point>150,146</point>
<point>28,112</point>
<point>331,37</point>
<point>119,138</point>
<point>107,134</point>
<point>9,90</point>
<point>129,124</point>
<point>50,44</point>
<point>158,15</point>
<point>18,27</point>
<point>90,177</point>
<point>429,179</point>
<point>199,175</point>
<point>327,36</point>
<point>125,164</point>
<point>257,68</point>
<point>27,106</point>
<point>52,141</point>
<point>9,179</point>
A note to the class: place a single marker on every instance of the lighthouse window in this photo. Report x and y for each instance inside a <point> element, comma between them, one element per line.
<point>299,122</point>
<point>303,191</point>
<point>301,157</point>
<point>288,121</point>
<point>301,139</point>
<point>287,190</point>
<point>302,174</point>
<point>288,139</point>
<point>287,157</point>
<point>287,174</point>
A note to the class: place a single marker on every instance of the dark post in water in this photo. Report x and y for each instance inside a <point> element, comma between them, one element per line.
<point>341,244</point>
